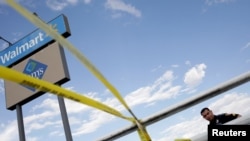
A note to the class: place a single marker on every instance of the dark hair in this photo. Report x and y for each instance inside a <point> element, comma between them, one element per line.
<point>203,109</point>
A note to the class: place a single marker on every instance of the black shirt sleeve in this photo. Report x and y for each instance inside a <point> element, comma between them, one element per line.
<point>225,117</point>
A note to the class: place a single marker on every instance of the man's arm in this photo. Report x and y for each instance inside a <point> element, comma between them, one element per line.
<point>226,117</point>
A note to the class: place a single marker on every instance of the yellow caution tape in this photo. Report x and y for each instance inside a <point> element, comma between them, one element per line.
<point>53,33</point>
<point>23,79</point>
<point>144,136</point>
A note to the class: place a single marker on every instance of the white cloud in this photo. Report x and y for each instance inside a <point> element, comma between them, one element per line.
<point>97,119</point>
<point>184,129</point>
<point>75,107</point>
<point>119,5</point>
<point>160,90</point>
<point>10,132</point>
<point>48,103</point>
<point>138,96</point>
<point>175,66</point>
<point>38,125</point>
<point>1,86</point>
<point>195,75</point>
<point>32,139</point>
<point>59,5</point>
<point>232,102</point>
<point>56,5</point>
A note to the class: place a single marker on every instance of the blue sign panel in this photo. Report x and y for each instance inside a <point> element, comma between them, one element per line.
<point>34,69</point>
<point>32,42</point>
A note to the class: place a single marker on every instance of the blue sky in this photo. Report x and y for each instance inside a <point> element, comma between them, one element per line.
<point>157,53</point>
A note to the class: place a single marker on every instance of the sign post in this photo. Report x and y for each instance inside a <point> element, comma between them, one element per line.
<point>37,55</point>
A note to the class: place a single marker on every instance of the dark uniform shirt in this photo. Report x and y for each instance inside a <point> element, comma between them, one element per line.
<point>223,118</point>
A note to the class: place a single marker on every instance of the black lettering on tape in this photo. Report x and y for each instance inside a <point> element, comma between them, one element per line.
<point>29,83</point>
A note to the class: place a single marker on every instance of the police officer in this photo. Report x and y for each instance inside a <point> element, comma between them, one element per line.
<point>217,119</point>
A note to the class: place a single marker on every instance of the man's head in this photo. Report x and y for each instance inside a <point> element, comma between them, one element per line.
<point>207,114</point>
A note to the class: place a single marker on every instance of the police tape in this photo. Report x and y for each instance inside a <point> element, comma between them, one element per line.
<point>142,132</point>
<point>66,44</point>
<point>45,86</point>
<point>53,33</point>
<point>23,79</point>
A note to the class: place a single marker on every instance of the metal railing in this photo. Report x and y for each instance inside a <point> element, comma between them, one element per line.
<point>230,84</point>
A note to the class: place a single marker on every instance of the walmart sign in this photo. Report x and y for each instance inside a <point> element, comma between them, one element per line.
<point>33,42</point>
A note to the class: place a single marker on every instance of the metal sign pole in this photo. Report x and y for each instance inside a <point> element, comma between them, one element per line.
<point>65,118</point>
<point>20,122</point>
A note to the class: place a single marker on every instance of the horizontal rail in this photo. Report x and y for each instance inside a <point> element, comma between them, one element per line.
<point>230,84</point>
